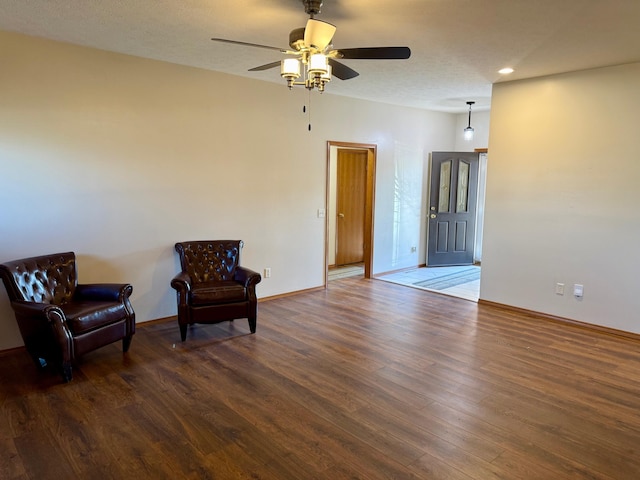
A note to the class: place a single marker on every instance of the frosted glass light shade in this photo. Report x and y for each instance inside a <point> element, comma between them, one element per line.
<point>318,64</point>
<point>468,133</point>
<point>290,68</point>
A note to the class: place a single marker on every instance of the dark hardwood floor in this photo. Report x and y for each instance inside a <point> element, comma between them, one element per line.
<point>366,380</point>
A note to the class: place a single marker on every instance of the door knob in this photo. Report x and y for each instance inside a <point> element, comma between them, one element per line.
<point>341,215</point>
<point>433,215</point>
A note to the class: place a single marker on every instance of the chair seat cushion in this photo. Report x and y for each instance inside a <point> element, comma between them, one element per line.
<point>83,316</point>
<point>210,293</point>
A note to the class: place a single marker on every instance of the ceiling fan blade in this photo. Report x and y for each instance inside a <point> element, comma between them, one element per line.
<point>341,71</point>
<point>375,53</point>
<point>266,66</point>
<point>247,44</point>
<point>318,34</point>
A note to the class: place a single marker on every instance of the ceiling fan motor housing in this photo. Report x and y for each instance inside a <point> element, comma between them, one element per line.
<point>312,7</point>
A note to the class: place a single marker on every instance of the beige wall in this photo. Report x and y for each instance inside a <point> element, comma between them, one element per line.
<point>117,158</point>
<point>562,196</point>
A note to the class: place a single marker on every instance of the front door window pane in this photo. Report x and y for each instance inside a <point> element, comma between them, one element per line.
<point>445,183</point>
<point>462,197</point>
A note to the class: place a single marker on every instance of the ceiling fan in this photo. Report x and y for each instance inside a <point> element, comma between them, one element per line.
<point>312,56</point>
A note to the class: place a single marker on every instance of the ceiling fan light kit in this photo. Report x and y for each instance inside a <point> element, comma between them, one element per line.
<point>317,71</point>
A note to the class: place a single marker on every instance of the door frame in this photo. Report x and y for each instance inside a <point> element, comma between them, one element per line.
<point>369,204</point>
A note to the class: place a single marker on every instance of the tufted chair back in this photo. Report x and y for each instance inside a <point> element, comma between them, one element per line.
<point>207,261</point>
<point>48,279</point>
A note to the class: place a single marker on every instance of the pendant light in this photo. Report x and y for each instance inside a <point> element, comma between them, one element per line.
<point>468,132</point>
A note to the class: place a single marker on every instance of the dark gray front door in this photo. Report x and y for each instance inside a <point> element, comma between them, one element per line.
<point>452,208</point>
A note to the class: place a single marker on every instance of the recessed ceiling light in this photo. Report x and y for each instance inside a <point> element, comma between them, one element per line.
<point>505,71</point>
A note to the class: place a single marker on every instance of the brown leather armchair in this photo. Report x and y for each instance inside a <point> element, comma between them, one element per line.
<point>61,320</point>
<point>212,286</point>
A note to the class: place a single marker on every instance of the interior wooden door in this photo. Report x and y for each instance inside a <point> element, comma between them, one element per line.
<point>350,205</point>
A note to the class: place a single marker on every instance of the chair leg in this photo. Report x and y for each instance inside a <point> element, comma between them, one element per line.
<point>126,343</point>
<point>252,325</point>
<point>183,331</point>
<point>65,370</point>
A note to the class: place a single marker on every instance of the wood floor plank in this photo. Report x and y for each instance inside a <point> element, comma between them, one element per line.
<point>364,380</point>
<point>12,467</point>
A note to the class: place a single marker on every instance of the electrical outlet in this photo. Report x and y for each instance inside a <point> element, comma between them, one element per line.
<point>413,249</point>
<point>578,290</point>
<point>559,288</point>
<point>267,272</point>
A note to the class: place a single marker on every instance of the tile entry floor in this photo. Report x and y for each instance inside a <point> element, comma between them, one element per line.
<point>346,271</point>
<point>468,291</point>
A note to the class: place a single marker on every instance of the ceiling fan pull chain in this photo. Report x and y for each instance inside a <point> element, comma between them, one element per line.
<point>309,91</point>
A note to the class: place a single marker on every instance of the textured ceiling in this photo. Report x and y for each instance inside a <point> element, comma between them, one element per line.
<point>457,45</point>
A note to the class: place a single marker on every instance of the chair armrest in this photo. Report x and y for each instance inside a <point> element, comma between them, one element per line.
<point>33,309</point>
<point>181,282</point>
<point>104,291</point>
<point>32,312</point>
<point>247,277</point>
<point>29,314</point>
